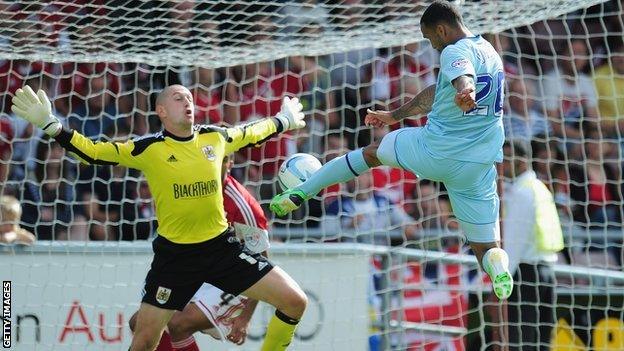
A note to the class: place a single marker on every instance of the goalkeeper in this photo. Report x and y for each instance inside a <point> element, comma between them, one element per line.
<point>212,311</point>
<point>182,165</point>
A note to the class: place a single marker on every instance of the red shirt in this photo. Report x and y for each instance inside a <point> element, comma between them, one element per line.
<point>599,193</point>
<point>397,184</point>
<point>74,83</point>
<point>240,206</point>
<point>207,108</point>
<point>400,66</point>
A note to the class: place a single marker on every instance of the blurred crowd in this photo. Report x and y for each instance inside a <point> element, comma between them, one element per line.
<point>564,99</point>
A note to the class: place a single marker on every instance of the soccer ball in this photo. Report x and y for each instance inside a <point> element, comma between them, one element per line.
<point>297,169</point>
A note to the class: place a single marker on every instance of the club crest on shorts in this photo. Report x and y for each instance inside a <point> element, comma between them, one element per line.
<point>208,151</point>
<point>252,239</point>
<point>162,295</point>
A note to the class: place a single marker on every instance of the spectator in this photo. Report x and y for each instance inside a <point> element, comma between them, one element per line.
<point>400,76</point>
<point>181,22</point>
<point>26,137</point>
<point>90,26</point>
<point>318,102</point>
<point>100,192</point>
<point>139,215</point>
<point>100,112</point>
<point>256,92</point>
<point>609,81</point>
<point>532,239</point>
<point>103,192</point>
<point>431,208</point>
<point>370,215</point>
<point>502,43</point>
<point>50,18</point>
<point>569,93</point>
<point>48,200</point>
<point>395,183</point>
<point>33,28</point>
<point>6,138</point>
<point>13,74</point>
<point>521,120</point>
<point>596,184</point>
<point>550,168</point>
<point>87,33</point>
<point>545,155</point>
<point>207,99</point>
<point>304,17</point>
<point>10,231</point>
<point>351,75</point>
<point>335,145</point>
<point>76,85</point>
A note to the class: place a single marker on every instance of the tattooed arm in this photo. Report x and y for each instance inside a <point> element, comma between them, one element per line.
<point>419,105</point>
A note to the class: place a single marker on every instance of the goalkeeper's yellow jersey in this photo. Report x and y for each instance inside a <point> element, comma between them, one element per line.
<point>184,174</point>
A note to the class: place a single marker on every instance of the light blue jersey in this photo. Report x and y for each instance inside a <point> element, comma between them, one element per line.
<point>477,135</point>
<point>456,148</point>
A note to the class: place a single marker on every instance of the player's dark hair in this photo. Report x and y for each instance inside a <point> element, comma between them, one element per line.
<point>441,12</point>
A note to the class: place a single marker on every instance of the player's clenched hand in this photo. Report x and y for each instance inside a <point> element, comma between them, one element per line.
<point>239,330</point>
<point>465,99</point>
<point>290,115</point>
<point>378,119</point>
<point>36,109</point>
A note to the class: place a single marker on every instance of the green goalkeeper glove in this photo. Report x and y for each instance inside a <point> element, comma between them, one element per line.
<point>36,109</point>
<point>290,115</point>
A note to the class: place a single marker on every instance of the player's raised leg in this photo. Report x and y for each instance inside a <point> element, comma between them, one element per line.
<point>338,170</point>
<point>280,290</point>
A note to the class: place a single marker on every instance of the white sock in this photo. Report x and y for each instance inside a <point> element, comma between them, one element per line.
<point>496,260</point>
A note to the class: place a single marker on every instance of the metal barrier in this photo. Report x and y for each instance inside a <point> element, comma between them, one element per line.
<point>571,231</point>
<point>603,280</point>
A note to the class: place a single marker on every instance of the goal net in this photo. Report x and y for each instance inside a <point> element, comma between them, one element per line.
<point>382,257</point>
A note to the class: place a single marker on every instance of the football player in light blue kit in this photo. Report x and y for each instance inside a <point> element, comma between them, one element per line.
<point>458,146</point>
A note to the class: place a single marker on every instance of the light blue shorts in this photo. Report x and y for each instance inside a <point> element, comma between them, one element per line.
<point>471,186</point>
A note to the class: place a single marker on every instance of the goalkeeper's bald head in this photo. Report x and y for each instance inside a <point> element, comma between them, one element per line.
<point>162,96</point>
<point>175,108</point>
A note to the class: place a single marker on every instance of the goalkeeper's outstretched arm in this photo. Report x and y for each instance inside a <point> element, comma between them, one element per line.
<point>255,133</point>
<point>37,109</point>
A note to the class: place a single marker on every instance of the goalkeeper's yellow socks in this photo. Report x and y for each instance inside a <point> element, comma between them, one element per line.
<point>279,333</point>
<point>496,264</point>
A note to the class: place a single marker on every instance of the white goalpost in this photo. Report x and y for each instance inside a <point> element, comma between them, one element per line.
<point>395,278</point>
